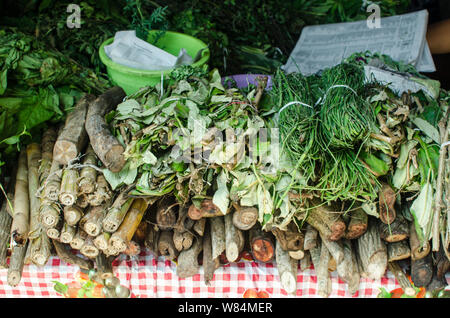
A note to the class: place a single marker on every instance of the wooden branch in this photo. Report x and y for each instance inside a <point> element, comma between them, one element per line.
<point>262,244</point>
<point>49,215</point>
<point>372,252</point>
<point>88,175</point>
<point>217,236</point>
<point>102,240</point>
<point>166,213</point>
<point>207,210</point>
<point>68,257</point>
<point>422,271</point>
<point>16,263</point>
<point>327,220</point>
<point>188,260</point>
<point>335,248</point>
<point>73,214</point>
<point>291,239</point>
<point>398,251</point>
<point>102,193</point>
<point>88,249</point>
<point>310,238</point>
<point>401,278</point>
<point>79,239</point>
<point>357,225</point>
<point>209,263</point>
<point>69,187</point>
<point>73,137</point>
<point>182,241</point>
<point>199,226</point>
<point>104,266</point>
<point>55,232</point>
<point>349,267</point>
<point>386,198</point>
<point>40,249</point>
<point>244,218</point>
<point>166,246</point>
<point>323,276</point>
<point>105,145</point>
<point>5,233</point>
<point>397,231</point>
<point>418,251</point>
<point>234,240</point>
<point>67,233</point>
<point>125,232</point>
<point>21,218</point>
<point>53,182</point>
<point>287,269</point>
<point>305,262</point>
<point>152,238</point>
<point>91,222</point>
<point>117,212</point>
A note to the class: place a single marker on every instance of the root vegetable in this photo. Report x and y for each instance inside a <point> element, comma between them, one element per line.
<point>105,145</point>
<point>73,137</point>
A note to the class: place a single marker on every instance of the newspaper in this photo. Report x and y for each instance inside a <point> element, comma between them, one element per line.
<point>129,50</point>
<point>402,37</point>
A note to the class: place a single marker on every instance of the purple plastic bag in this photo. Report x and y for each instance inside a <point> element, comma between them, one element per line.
<point>243,80</point>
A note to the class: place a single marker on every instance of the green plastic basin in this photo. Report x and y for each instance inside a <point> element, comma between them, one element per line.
<point>131,79</point>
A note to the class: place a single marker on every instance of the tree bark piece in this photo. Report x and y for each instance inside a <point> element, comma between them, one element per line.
<point>386,202</point>
<point>310,237</point>
<point>92,220</point>
<point>68,257</point>
<point>73,137</point>
<point>104,266</point>
<point>287,269</point>
<point>16,263</point>
<point>125,232</point>
<point>188,260</point>
<point>166,246</point>
<point>372,252</point>
<point>207,210</point>
<point>234,240</point>
<point>105,145</point>
<point>72,214</point>
<point>357,225</point>
<point>69,187</point>
<point>397,231</point>
<point>67,233</point>
<point>422,271</point>
<point>418,251</point>
<point>398,251</point>
<point>290,239</point>
<point>21,218</point>
<point>261,244</point>
<point>401,278</point>
<point>244,218</point>
<point>217,236</point>
<point>88,175</point>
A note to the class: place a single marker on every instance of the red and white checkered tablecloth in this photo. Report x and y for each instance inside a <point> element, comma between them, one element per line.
<point>147,276</point>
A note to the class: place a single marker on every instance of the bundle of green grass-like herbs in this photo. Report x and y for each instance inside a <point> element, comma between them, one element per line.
<point>324,122</point>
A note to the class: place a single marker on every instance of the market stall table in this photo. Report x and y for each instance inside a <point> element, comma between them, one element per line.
<point>147,276</point>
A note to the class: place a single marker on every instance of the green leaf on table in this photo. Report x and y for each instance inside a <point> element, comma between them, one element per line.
<point>60,288</point>
<point>384,293</point>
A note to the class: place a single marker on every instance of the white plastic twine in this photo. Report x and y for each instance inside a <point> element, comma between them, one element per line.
<point>321,99</point>
<point>445,144</point>
<point>293,103</point>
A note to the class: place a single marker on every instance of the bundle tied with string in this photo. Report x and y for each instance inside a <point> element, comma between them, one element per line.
<point>297,120</point>
<point>346,118</point>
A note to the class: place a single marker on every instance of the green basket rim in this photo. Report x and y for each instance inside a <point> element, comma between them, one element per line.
<point>125,69</point>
